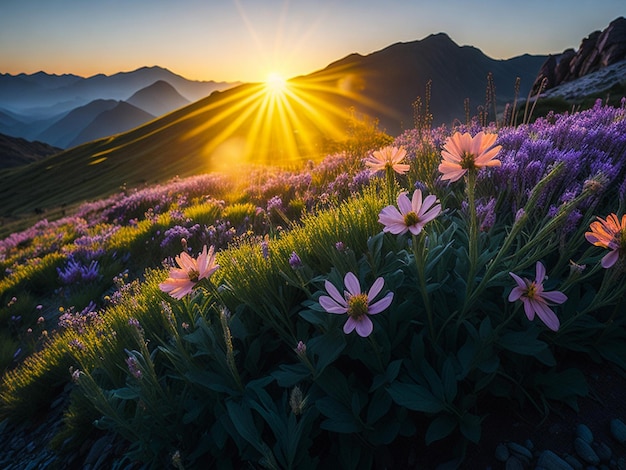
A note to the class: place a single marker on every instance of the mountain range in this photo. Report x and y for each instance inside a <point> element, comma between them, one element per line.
<point>246,123</point>
<point>57,109</point>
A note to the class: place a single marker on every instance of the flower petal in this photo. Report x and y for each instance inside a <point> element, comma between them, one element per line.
<point>331,306</point>
<point>334,293</point>
<point>521,283</point>
<point>610,259</point>
<point>390,215</point>
<point>556,297</point>
<point>540,272</point>
<point>546,315</point>
<point>364,327</point>
<point>350,325</point>
<point>416,201</point>
<point>352,283</point>
<point>404,204</point>
<point>381,305</point>
<point>375,289</point>
<point>516,293</point>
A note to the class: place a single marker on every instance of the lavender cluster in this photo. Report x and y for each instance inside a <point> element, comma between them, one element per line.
<point>591,145</point>
<point>75,271</point>
<point>80,321</point>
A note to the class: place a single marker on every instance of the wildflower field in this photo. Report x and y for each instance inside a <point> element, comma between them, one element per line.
<point>345,313</point>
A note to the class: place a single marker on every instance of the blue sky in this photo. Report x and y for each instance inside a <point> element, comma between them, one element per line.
<point>244,40</point>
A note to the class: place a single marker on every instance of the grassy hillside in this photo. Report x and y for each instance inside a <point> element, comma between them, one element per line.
<point>247,124</point>
<point>377,318</point>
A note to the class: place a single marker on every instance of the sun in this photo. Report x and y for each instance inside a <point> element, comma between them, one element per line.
<point>276,83</point>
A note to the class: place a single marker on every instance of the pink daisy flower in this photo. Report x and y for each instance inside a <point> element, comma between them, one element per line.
<point>182,280</point>
<point>388,157</point>
<point>355,303</point>
<point>535,299</point>
<point>413,214</point>
<point>462,152</point>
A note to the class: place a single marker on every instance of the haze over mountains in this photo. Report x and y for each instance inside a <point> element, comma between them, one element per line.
<point>61,110</point>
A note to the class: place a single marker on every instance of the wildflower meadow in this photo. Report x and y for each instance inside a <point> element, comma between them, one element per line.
<point>354,312</point>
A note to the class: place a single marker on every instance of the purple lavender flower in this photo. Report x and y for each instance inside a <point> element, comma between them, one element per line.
<point>133,367</point>
<point>294,260</point>
<point>275,203</point>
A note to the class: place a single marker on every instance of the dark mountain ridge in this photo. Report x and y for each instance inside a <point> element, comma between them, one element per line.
<point>15,151</point>
<point>398,74</point>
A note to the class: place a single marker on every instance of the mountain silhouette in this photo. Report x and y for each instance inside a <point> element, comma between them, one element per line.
<point>64,131</point>
<point>158,99</point>
<point>118,119</point>
<point>394,77</point>
<point>50,94</point>
<point>15,151</point>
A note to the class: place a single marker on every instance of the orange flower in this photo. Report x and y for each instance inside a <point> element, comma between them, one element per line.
<point>182,280</point>
<point>462,152</point>
<point>388,157</point>
<point>610,234</point>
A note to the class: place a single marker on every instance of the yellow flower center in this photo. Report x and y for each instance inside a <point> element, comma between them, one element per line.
<point>357,306</point>
<point>468,161</point>
<point>410,218</point>
<point>532,290</point>
<point>620,238</point>
<point>193,275</point>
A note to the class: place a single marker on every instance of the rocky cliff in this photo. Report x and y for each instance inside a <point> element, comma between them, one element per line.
<point>598,50</point>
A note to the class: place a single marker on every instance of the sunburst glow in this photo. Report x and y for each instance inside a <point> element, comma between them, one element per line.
<point>276,83</point>
<point>278,122</point>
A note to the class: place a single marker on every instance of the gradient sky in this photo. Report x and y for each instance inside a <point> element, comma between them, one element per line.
<point>244,40</point>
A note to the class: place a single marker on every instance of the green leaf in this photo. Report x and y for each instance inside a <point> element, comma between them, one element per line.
<point>490,364</point>
<point>319,318</point>
<point>211,380</point>
<point>125,393</point>
<point>434,381</point>
<point>485,329</point>
<point>449,380</point>
<point>523,342</point>
<point>339,418</point>
<point>470,426</point>
<point>380,404</point>
<point>374,246</point>
<point>241,417</point>
<point>289,375</point>
<point>393,369</point>
<point>415,397</point>
<point>327,348</point>
<point>466,355</point>
<point>440,427</point>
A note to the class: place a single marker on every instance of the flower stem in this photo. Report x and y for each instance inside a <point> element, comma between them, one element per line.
<point>472,232</point>
<point>391,183</point>
<point>420,253</point>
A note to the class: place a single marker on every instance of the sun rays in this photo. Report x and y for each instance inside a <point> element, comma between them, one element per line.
<point>281,122</point>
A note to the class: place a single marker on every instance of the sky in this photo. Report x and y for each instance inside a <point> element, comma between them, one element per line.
<point>245,40</point>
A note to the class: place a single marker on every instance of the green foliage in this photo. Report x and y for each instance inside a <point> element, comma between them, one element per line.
<point>250,368</point>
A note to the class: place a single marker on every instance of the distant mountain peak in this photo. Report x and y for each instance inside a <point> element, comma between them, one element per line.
<point>158,98</point>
